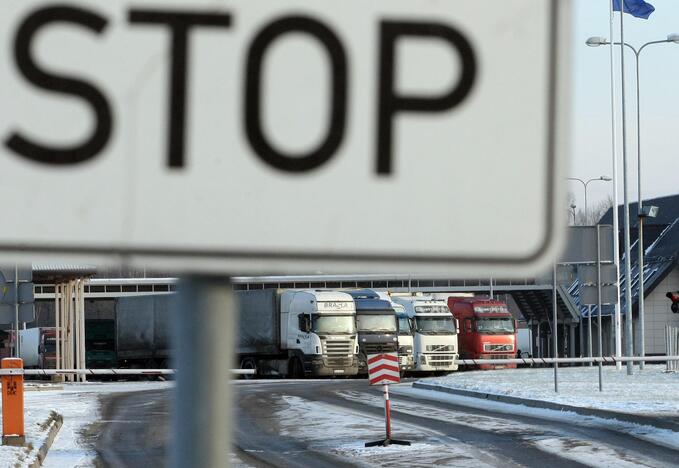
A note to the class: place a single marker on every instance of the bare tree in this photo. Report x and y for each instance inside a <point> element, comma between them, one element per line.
<point>600,209</point>
<point>578,217</point>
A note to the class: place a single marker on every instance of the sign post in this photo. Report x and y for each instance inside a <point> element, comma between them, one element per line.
<point>383,369</point>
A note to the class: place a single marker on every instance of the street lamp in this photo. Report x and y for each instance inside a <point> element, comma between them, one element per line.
<point>585,184</point>
<point>596,41</point>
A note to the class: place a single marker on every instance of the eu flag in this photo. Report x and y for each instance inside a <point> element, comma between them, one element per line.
<point>636,8</point>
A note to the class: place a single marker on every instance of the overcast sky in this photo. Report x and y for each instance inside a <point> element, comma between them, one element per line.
<point>659,78</point>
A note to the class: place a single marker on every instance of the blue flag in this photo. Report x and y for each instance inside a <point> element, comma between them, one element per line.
<point>636,8</point>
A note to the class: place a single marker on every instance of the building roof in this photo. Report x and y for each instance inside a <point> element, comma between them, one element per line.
<point>61,271</point>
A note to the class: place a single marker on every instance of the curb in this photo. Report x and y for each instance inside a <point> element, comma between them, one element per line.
<point>605,414</point>
<point>54,421</point>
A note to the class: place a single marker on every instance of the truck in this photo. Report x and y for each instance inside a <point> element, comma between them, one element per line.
<point>38,347</point>
<point>434,329</point>
<point>297,333</point>
<point>376,326</point>
<point>405,335</point>
<point>487,329</point>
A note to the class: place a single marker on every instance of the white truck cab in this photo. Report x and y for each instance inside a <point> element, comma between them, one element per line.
<point>320,331</point>
<point>435,347</point>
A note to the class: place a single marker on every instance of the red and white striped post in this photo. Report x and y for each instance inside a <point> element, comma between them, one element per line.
<point>383,369</point>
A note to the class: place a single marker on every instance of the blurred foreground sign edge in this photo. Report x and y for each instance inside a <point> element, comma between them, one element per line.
<point>188,236</point>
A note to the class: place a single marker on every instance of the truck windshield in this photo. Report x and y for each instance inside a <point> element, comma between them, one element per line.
<point>435,325</point>
<point>376,323</point>
<point>333,324</point>
<point>495,326</point>
<point>403,326</point>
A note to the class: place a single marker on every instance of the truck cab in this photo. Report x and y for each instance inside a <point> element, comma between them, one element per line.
<point>376,326</point>
<point>435,347</point>
<point>405,334</point>
<point>487,329</point>
<point>318,328</point>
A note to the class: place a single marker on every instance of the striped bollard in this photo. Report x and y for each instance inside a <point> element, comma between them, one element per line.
<point>383,369</point>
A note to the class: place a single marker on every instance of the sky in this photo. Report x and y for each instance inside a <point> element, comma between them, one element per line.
<point>659,98</point>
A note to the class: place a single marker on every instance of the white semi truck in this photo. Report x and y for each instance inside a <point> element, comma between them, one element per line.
<point>297,333</point>
<point>435,347</point>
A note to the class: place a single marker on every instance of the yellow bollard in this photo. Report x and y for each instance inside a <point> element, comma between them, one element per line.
<point>13,404</point>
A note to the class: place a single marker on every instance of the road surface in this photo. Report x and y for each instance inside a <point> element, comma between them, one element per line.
<point>326,423</point>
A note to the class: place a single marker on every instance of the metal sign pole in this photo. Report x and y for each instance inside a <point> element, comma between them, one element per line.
<point>598,285</point>
<point>555,331</point>
<point>387,411</point>
<point>203,332</point>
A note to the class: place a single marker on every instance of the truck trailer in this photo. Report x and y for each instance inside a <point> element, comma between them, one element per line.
<point>142,328</point>
<point>297,333</point>
<point>487,329</point>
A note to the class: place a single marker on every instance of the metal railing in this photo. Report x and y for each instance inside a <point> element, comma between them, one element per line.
<point>577,360</point>
<point>49,372</point>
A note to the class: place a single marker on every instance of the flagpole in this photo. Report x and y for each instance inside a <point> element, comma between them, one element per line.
<point>616,225</point>
<point>629,349</point>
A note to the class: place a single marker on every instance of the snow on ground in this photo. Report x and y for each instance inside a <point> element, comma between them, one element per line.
<point>78,404</point>
<point>655,435</point>
<point>651,391</point>
<point>343,432</point>
<point>562,443</point>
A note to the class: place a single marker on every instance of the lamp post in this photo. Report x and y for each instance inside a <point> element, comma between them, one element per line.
<point>641,213</point>
<point>585,184</point>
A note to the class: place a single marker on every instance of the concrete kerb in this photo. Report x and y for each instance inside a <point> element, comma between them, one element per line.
<point>599,413</point>
<point>54,422</point>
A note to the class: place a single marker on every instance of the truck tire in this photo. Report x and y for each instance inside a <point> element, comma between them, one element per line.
<point>296,368</point>
<point>249,363</point>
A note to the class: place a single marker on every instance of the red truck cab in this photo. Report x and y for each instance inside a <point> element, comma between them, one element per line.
<point>487,329</point>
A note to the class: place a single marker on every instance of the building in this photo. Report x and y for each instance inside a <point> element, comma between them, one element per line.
<point>661,269</point>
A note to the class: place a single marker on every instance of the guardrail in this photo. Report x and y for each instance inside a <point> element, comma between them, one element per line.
<point>48,372</point>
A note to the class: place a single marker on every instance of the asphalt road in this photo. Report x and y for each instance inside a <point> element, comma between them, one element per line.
<point>326,423</point>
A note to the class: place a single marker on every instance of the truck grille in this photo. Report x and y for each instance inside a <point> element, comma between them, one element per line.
<point>498,348</point>
<point>440,359</point>
<point>342,348</point>
<point>498,356</point>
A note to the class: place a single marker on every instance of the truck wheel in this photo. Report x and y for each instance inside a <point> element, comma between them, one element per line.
<point>249,363</point>
<point>296,369</point>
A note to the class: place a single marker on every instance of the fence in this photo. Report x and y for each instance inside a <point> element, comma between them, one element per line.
<point>672,346</point>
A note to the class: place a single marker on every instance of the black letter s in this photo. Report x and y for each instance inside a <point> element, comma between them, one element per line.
<point>60,84</point>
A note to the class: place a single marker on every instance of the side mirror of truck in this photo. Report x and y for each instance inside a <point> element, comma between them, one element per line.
<point>516,326</point>
<point>467,325</point>
<point>304,322</point>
